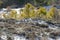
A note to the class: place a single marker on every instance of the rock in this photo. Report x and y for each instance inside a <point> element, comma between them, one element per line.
<point>50,23</point>
<point>28,29</point>
<point>9,38</point>
<point>42,25</point>
<point>11,21</point>
<point>2,20</point>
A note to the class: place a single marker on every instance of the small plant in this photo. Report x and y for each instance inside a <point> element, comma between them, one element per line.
<point>41,12</point>
<point>50,13</point>
<point>13,14</point>
<point>28,11</point>
<point>6,16</point>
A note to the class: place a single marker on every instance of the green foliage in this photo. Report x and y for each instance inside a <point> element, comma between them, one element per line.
<point>42,2</point>
<point>1,2</point>
<point>36,2</point>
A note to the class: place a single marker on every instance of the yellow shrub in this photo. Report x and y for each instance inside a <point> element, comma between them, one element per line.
<point>41,12</point>
<point>32,14</point>
<point>5,15</point>
<point>28,11</point>
<point>50,13</point>
<point>13,14</point>
<point>23,15</point>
